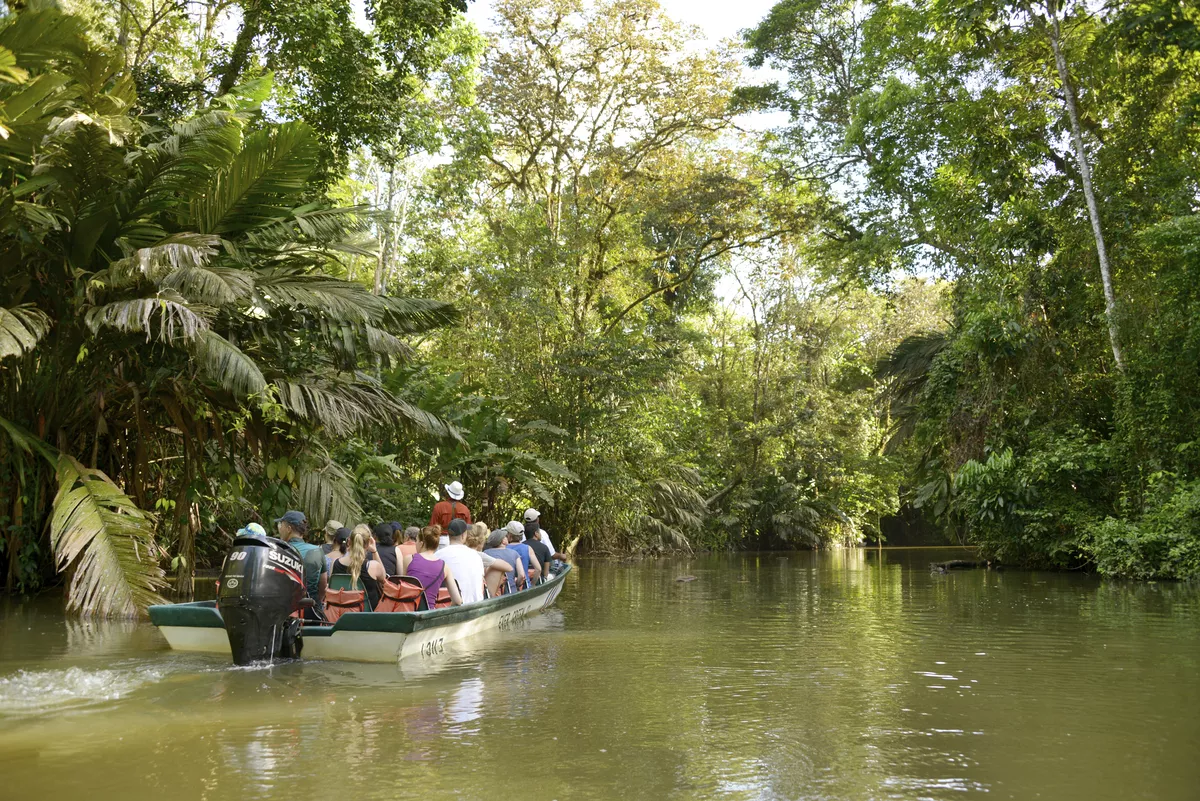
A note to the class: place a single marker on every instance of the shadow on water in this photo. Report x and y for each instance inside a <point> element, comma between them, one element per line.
<point>839,675</point>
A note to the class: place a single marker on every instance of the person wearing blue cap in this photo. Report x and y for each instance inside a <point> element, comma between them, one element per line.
<point>292,527</point>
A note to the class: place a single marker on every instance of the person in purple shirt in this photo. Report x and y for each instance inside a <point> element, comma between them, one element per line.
<point>429,570</point>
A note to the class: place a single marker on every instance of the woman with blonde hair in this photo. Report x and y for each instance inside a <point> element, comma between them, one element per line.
<point>495,570</point>
<point>359,564</point>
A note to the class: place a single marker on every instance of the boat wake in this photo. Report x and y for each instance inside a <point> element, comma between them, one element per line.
<point>28,691</point>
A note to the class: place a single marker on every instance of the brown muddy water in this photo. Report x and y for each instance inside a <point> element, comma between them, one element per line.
<point>839,675</point>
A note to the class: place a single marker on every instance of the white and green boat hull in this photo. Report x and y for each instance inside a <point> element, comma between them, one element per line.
<point>368,636</point>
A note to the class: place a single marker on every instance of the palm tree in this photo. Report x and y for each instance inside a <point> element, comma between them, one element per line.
<point>173,301</point>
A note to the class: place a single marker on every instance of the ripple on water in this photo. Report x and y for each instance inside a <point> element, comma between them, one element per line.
<point>28,691</point>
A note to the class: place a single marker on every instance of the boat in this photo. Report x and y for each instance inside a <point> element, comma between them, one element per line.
<point>258,630</point>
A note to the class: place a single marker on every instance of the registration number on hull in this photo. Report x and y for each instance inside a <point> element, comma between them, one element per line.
<point>434,647</point>
<point>512,620</point>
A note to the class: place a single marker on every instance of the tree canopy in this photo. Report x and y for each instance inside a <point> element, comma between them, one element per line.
<point>261,256</point>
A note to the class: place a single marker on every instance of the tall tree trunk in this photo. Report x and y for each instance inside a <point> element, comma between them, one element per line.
<point>1085,177</point>
<point>385,244</point>
<point>13,546</point>
<point>187,523</point>
<point>251,23</point>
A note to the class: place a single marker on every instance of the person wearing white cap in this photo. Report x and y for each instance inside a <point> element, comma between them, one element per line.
<point>534,516</point>
<point>450,508</point>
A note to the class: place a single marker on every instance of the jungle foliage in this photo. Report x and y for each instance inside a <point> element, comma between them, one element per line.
<point>259,256</point>
<point>1044,156</point>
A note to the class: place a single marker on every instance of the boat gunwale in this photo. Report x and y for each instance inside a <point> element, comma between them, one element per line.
<point>381,622</point>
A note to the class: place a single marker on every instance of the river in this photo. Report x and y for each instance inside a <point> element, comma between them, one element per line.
<point>838,675</point>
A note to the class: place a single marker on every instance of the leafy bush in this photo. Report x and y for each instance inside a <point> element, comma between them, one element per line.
<point>1162,543</point>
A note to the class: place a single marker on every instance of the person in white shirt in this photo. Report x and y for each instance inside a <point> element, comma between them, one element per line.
<point>464,563</point>
<point>534,516</point>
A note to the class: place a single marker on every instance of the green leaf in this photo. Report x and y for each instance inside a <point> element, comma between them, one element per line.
<point>260,184</point>
<point>176,319</point>
<point>227,365</point>
<point>98,531</point>
<point>20,329</point>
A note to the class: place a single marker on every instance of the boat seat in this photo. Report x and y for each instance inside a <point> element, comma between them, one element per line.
<point>339,602</point>
<point>340,582</point>
<point>343,582</point>
<point>401,596</point>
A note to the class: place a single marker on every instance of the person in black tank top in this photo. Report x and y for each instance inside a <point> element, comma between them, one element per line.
<point>385,548</point>
<point>370,572</point>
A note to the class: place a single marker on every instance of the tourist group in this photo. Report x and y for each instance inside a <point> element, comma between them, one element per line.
<point>449,562</point>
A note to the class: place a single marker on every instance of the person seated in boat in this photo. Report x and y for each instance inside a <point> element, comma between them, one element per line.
<point>385,548</point>
<point>341,541</point>
<point>366,573</point>
<point>412,536</point>
<point>533,539</point>
<point>516,541</point>
<point>292,528</point>
<point>534,518</point>
<point>495,570</point>
<point>432,572</point>
<point>449,508</point>
<point>496,545</point>
<point>331,528</point>
<point>465,563</point>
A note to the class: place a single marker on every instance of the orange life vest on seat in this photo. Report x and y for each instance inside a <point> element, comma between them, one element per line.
<point>402,597</point>
<point>339,602</point>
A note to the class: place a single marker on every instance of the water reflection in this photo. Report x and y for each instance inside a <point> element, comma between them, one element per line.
<point>848,675</point>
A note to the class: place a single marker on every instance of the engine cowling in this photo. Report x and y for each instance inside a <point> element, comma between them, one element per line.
<point>262,588</point>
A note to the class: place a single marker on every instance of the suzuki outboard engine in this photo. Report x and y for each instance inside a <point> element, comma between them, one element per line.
<point>262,585</point>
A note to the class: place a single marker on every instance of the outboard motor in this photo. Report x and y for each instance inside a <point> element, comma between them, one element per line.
<point>262,585</point>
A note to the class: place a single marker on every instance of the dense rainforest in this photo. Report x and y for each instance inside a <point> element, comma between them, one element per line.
<point>936,258</point>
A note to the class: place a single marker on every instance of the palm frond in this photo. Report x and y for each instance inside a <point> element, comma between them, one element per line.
<point>227,365</point>
<point>177,320</point>
<point>554,469</point>
<point>171,171</point>
<point>42,36</point>
<point>333,297</point>
<point>677,509</point>
<point>27,442</point>
<point>21,327</point>
<point>346,408</point>
<point>9,71</point>
<point>337,407</point>
<point>186,251</point>
<point>261,183</point>
<point>337,228</point>
<point>327,492</point>
<point>109,542</point>
<point>212,286</point>
<point>381,342</point>
<point>414,419</point>
<point>912,358</point>
<point>906,369</point>
<point>417,315</point>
